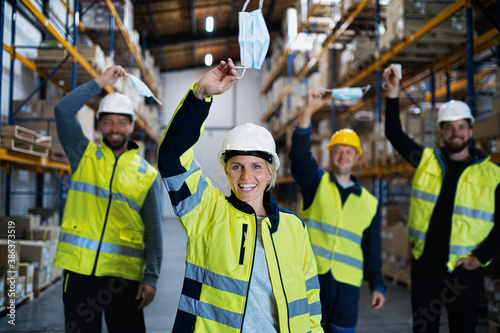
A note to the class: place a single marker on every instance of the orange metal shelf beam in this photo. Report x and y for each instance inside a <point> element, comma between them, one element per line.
<point>131,46</point>
<point>284,57</point>
<point>312,62</point>
<point>31,65</point>
<point>41,164</point>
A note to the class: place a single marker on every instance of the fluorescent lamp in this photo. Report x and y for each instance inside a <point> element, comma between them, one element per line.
<point>208,59</point>
<point>209,24</point>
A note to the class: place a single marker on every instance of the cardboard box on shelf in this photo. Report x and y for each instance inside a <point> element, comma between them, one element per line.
<point>20,287</point>
<point>27,269</point>
<point>31,109</point>
<point>43,233</point>
<point>487,126</point>
<point>20,224</point>
<point>37,252</point>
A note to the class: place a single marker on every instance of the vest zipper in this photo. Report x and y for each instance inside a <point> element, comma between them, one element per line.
<point>106,216</point>
<point>243,239</point>
<point>251,272</point>
<point>281,280</point>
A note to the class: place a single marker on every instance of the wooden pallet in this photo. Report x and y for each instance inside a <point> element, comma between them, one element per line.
<point>24,147</point>
<point>397,275</point>
<point>58,155</point>
<point>25,134</point>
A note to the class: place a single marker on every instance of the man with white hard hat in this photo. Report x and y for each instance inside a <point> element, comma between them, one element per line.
<point>454,221</point>
<point>110,245</point>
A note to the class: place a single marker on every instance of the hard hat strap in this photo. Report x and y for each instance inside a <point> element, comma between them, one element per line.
<point>265,156</point>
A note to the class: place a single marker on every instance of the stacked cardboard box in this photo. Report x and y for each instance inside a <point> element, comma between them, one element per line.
<point>404,17</point>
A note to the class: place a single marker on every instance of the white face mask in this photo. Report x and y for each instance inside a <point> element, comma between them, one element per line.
<point>141,88</point>
<point>253,37</point>
<point>346,94</point>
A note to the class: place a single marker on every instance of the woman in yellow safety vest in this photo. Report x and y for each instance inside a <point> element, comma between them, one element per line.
<point>249,263</point>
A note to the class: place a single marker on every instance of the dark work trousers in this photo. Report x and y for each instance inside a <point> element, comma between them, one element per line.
<point>339,303</point>
<point>433,287</point>
<point>86,297</point>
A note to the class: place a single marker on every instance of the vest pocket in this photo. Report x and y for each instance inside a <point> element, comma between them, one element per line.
<point>132,236</point>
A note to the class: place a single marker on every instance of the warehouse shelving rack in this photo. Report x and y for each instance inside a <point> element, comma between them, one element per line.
<point>442,63</point>
<point>11,160</point>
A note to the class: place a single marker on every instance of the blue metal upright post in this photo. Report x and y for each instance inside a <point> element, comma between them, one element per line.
<point>111,34</point>
<point>289,74</point>
<point>448,86</point>
<point>471,98</point>
<point>378,105</point>
<point>66,24</point>
<point>10,120</point>
<point>75,42</point>
<point>498,20</point>
<point>433,88</point>
<point>378,84</point>
<point>2,21</point>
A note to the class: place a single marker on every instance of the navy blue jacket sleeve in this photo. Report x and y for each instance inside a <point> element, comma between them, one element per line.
<point>304,167</point>
<point>69,130</point>
<point>181,134</point>
<point>152,218</point>
<point>409,149</point>
<point>371,245</point>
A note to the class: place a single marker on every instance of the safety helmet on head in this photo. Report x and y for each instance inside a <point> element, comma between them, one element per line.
<point>347,137</point>
<point>116,103</point>
<point>454,110</point>
<point>250,138</point>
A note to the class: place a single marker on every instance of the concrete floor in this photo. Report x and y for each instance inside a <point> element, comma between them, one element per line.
<point>45,313</point>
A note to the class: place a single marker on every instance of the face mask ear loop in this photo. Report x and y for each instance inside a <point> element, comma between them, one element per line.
<point>244,70</point>
<point>245,5</point>
<point>365,89</point>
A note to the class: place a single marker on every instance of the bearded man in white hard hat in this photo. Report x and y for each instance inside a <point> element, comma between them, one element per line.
<point>454,221</point>
<point>110,245</point>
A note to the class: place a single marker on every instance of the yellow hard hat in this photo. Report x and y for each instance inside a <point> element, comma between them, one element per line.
<point>345,136</point>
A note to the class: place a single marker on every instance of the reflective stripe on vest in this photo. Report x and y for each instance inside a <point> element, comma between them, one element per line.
<point>91,244</point>
<point>336,230</point>
<point>474,206</point>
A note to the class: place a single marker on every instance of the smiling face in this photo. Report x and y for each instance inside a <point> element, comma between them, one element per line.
<point>248,177</point>
<point>343,159</point>
<point>115,130</point>
<point>456,135</point>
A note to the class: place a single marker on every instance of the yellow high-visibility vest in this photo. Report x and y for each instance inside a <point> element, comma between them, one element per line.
<point>473,210</point>
<point>336,231</point>
<point>102,224</point>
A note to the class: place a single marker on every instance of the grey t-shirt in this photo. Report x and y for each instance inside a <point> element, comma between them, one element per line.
<point>262,312</point>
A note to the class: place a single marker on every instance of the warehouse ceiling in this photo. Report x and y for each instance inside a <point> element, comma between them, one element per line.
<point>175,30</point>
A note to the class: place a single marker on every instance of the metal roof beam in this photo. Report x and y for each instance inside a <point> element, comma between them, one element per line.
<point>198,37</point>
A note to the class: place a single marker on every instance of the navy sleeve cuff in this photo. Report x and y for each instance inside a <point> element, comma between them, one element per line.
<point>303,131</point>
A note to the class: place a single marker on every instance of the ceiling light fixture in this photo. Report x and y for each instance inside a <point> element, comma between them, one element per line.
<point>208,59</point>
<point>209,24</point>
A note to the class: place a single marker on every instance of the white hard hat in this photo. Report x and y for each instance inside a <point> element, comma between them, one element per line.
<point>454,110</point>
<point>116,103</point>
<point>250,138</point>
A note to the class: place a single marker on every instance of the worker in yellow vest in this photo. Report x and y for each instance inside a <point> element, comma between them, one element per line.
<point>249,263</point>
<point>454,222</point>
<point>110,245</point>
<point>343,220</point>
